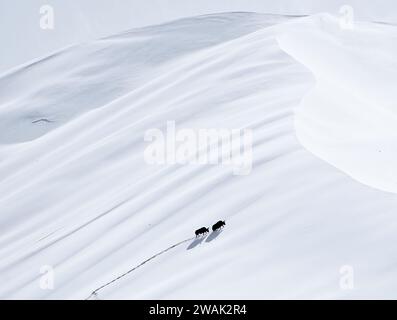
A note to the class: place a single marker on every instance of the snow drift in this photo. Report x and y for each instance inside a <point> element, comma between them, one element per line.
<point>77,195</point>
<point>349,118</point>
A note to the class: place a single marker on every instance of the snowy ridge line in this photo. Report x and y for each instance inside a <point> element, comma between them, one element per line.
<point>95,292</point>
<point>348,78</point>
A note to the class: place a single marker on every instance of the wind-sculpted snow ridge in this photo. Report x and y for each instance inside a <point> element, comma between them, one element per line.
<point>66,84</point>
<point>78,198</point>
<point>349,118</point>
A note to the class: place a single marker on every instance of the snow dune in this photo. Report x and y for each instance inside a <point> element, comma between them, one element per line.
<point>349,118</point>
<point>77,195</point>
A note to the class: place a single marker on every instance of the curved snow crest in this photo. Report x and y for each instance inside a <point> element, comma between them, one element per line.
<point>78,197</point>
<point>349,118</point>
<point>64,85</point>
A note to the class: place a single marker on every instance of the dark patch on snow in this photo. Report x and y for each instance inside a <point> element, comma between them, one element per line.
<point>42,120</point>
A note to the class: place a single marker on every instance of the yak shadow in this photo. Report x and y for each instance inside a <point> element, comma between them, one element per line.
<point>213,235</point>
<point>196,242</point>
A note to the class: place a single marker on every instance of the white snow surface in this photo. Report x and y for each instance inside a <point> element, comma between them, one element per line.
<point>77,195</point>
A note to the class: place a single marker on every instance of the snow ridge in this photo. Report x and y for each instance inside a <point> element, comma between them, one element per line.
<point>77,195</point>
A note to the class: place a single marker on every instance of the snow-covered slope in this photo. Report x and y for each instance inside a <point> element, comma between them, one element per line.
<point>77,195</point>
<point>84,20</point>
<point>350,117</point>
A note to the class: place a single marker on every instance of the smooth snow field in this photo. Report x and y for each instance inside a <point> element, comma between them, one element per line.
<point>77,196</point>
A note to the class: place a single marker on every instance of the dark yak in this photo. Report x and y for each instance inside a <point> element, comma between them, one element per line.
<point>220,224</point>
<point>201,231</point>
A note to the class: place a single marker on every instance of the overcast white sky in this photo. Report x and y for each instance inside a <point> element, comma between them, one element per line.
<point>22,39</point>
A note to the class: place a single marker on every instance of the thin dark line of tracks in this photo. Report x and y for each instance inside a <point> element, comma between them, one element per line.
<point>95,292</point>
